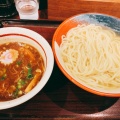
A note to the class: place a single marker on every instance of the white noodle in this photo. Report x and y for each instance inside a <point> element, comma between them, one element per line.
<point>91,54</point>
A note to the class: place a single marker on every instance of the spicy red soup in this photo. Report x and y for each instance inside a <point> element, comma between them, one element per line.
<point>20,71</point>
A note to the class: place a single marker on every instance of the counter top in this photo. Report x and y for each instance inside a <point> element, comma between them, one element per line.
<point>60,99</point>
<point>61,10</point>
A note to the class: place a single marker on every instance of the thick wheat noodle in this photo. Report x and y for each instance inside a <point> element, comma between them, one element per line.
<point>91,54</point>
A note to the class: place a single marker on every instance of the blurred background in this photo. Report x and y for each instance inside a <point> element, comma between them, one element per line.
<point>7,7</point>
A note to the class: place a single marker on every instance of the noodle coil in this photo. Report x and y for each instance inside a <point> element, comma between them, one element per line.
<point>91,54</point>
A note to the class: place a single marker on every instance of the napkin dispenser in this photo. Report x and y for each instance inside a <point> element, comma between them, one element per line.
<point>7,8</point>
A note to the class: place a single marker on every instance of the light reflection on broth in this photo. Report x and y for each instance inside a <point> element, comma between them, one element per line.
<point>20,70</point>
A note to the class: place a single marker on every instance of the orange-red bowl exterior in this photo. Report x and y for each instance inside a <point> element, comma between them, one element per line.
<point>73,21</point>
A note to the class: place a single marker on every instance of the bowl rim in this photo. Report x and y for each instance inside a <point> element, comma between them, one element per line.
<point>49,67</point>
<point>63,70</point>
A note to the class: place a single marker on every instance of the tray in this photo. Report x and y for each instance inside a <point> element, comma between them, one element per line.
<point>59,99</point>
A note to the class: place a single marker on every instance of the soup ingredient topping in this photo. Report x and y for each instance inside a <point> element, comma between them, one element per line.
<point>29,75</point>
<point>8,56</point>
<point>19,70</point>
<point>2,74</point>
<point>33,82</point>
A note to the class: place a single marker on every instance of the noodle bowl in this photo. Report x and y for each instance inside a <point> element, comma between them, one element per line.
<point>87,50</point>
<point>26,62</point>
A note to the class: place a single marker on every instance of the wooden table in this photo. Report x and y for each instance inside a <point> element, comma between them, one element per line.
<point>60,99</point>
<point>62,9</point>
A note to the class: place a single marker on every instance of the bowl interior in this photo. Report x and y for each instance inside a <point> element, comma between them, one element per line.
<point>25,39</point>
<point>16,34</point>
<point>90,18</point>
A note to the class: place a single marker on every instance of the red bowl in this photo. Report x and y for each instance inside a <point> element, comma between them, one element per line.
<point>90,18</point>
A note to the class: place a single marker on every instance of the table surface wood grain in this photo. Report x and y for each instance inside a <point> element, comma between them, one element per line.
<point>62,9</point>
<point>60,99</point>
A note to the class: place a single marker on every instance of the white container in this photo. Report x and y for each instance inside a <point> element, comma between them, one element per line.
<point>18,34</point>
<point>27,9</point>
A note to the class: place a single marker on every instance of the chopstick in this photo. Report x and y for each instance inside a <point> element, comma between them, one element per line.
<point>43,22</point>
